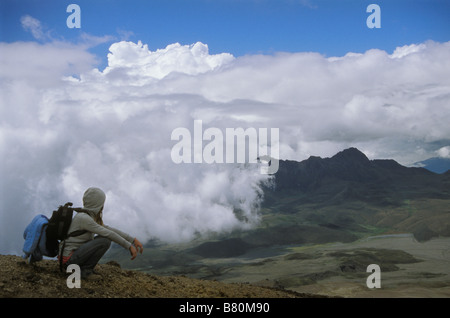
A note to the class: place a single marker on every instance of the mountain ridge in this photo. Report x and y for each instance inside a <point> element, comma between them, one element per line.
<point>351,168</point>
<point>348,186</point>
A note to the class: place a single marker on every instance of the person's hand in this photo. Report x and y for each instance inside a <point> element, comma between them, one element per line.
<point>133,252</point>
<point>138,245</point>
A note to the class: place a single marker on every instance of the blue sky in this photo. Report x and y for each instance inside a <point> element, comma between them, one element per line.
<point>239,27</point>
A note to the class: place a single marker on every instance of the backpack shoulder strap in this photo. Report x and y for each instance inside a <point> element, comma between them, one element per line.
<point>80,210</point>
<point>72,234</point>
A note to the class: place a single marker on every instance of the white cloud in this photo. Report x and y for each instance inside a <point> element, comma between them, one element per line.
<point>34,26</point>
<point>111,128</point>
<point>87,40</point>
<point>139,62</point>
<point>444,152</point>
<point>41,65</point>
<point>405,50</point>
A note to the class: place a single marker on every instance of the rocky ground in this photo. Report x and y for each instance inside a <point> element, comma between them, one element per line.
<point>18,279</point>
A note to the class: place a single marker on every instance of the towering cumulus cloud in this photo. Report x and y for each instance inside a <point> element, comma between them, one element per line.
<point>137,60</point>
<point>112,129</point>
<point>66,126</point>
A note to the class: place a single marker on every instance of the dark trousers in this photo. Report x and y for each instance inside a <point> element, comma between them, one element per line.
<point>89,254</point>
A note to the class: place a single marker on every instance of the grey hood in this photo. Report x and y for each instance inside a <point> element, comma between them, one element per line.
<point>93,200</point>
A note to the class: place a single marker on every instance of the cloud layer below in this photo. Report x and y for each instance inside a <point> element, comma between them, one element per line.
<point>66,125</point>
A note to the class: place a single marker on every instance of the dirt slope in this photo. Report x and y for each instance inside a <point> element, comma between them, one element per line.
<point>19,279</point>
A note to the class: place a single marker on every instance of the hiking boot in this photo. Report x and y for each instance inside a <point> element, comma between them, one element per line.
<point>93,277</point>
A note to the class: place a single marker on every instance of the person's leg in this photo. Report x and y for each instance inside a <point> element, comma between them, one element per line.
<point>89,254</point>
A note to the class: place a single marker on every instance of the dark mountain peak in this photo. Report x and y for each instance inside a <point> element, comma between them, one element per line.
<point>314,158</point>
<point>388,164</point>
<point>352,155</point>
<point>351,175</point>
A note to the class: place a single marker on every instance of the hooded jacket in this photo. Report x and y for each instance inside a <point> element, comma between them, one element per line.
<point>93,201</point>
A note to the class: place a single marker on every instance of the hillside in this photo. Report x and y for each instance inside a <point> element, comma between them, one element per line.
<point>312,209</point>
<point>43,280</point>
<point>351,194</point>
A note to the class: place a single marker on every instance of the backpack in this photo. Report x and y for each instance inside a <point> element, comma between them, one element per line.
<point>42,236</point>
<point>34,247</point>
